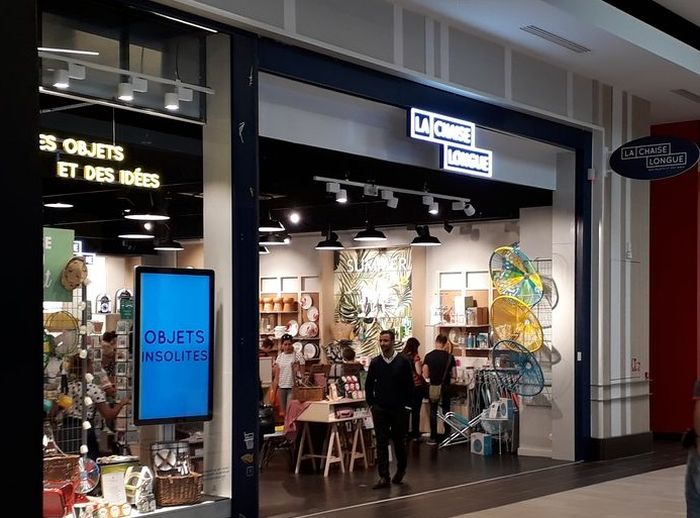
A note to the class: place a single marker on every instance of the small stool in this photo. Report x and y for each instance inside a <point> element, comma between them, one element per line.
<point>273,442</point>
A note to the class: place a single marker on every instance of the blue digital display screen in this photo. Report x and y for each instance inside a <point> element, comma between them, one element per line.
<point>173,337</point>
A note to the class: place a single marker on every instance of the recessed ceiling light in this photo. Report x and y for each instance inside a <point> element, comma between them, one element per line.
<point>69,51</point>
<point>58,205</point>
<point>135,236</point>
<point>424,238</point>
<point>370,234</point>
<point>294,217</point>
<point>169,246</point>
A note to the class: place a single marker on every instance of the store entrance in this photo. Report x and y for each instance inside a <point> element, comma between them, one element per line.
<point>359,236</point>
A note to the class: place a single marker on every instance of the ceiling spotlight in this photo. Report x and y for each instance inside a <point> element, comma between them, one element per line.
<point>169,245</point>
<point>341,196</point>
<point>332,187</point>
<point>434,208</point>
<point>294,218</point>
<point>330,243</point>
<point>371,190</point>
<point>263,250</point>
<point>61,79</point>
<point>148,225</point>
<point>448,228</point>
<point>184,93</point>
<point>370,234</point>
<point>469,210</point>
<point>172,102</point>
<point>458,205</point>
<point>125,92</point>
<point>76,71</point>
<point>387,194</point>
<point>427,200</point>
<point>424,238</point>
<point>392,203</point>
<point>58,205</point>
<point>270,225</point>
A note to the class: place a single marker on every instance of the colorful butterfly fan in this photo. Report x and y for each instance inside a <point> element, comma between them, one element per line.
<point>513,274</point>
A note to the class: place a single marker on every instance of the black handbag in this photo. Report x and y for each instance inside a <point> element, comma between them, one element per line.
<point>689,439</point>
<point>266,419</point>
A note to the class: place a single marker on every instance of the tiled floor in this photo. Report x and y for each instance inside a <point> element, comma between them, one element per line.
<point>658,494</point>
<point>447,483</point>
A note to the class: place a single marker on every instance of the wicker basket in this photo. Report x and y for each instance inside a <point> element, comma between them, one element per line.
<point>179,489</point>
<point>61,467</point>
<point>302,394</point>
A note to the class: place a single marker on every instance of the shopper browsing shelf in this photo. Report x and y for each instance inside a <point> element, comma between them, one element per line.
<point>389,388</point>
<point>420,387</point>
<point>286,370</point>
<point>439,369</point>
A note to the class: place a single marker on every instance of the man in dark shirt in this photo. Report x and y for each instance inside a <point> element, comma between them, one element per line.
<point>388,388</point>
<point>439,368</point>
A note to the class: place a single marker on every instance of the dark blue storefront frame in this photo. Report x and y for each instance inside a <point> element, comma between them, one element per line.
<point>333,74</point>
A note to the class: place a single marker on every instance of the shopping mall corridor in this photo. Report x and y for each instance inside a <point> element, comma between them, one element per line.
<point>644,485</point>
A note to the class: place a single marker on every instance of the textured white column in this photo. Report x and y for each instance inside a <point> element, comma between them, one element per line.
<point>218,256</point>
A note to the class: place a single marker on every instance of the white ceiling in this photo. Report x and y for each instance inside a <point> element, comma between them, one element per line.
<point>625,52</point>
<point>688,9</point>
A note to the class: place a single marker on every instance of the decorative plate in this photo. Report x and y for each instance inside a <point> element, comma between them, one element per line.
<point>308,330</point>
<point>310,351</point>
<point>293,327</point>
<point>306,301</point>
<point>299,347</point>
<point>312,313</point>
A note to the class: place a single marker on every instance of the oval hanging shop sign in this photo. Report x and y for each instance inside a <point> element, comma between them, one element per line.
<point>654,158</point>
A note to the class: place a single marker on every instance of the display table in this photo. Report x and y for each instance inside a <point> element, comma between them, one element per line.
<point>332,452</point>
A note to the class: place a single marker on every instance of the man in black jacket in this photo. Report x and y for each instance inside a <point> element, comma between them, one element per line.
<point>388,387</point>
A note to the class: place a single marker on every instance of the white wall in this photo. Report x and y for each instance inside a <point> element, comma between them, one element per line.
<point>297,258</point>
<point>536,421</point>
<point>403,41</point>
<point>304,114</point>
<point>469,248</point>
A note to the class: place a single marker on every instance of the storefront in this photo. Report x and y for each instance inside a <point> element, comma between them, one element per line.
<point>236,157</point>
<point>370,175</point>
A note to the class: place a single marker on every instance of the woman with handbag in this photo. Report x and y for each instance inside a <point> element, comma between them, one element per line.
<point>420,387</point>
<point>439,368</point>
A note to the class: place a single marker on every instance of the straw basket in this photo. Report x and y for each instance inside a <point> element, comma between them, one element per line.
<point>302,394</point>
<point>60,467</point>
<point>178,489</point>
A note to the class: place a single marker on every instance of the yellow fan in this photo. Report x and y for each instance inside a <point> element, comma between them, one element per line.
<point>511,319</point>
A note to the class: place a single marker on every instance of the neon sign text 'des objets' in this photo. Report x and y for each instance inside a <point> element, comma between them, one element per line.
<point>459,153</point>
<point>91,172</point>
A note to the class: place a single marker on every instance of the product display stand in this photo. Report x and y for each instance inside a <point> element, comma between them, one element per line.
<point>324,412</point>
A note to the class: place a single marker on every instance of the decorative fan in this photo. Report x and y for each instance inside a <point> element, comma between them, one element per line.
<point>65,329</point>
<point>516,368</point>
<point>511,319</point>
<point>513,274</point>
<point>551,293</point>
<point>88,475</point>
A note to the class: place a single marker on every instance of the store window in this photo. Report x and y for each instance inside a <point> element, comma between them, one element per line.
<point>122,188</point>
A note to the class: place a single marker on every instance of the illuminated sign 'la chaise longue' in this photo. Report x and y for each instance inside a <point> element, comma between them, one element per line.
<point>457,138</point>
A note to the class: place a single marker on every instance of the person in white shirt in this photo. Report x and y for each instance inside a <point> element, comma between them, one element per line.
<point>286,370</point>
